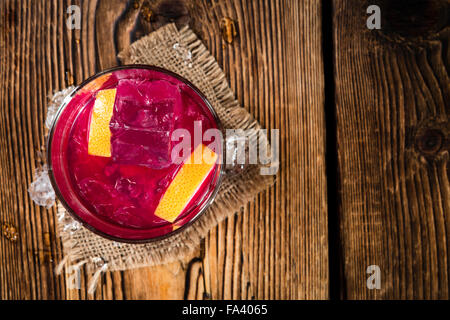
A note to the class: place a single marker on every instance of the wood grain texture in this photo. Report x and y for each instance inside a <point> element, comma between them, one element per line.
<point>28,74</point>
<point>392,106</point>
<point>276,247</point>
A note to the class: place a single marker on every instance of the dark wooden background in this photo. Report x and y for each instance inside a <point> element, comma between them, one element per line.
<point>364,177</point>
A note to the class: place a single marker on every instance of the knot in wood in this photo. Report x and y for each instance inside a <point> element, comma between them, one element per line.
<point>228,28</point>
<point>430,141</point>
<point>9,232</point>
<point>172,11</point>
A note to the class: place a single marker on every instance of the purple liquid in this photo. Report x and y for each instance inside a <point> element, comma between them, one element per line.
<point>125,189</point>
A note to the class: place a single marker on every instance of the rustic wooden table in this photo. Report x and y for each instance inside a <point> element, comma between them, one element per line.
<point>364,177</point>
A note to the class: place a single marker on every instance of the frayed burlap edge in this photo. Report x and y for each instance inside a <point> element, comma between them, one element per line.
<point>179,51</point>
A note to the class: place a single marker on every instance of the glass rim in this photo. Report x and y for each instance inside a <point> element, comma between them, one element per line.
<point>204,205</point>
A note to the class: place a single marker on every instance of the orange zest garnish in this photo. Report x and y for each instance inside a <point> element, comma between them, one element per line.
<point>99,132</point>
<point>96,84</point>
<point>186,183</point>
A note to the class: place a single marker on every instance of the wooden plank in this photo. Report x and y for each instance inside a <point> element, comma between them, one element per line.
<point>392,106</point>
<point>28,73</point>
<point>276,247</point>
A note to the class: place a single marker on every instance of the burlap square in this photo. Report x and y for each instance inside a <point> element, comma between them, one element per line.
<point>181,52</point>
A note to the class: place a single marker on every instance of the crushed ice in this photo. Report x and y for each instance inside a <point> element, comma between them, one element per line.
<point>69,224</point>
<point>41,190</point>
<point>184,53</point>
<point>116,244</point>
<point>98,261</point>
<point>72,226</point>
<point>54,104</point>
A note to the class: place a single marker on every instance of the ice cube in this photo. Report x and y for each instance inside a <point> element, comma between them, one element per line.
<point>155,116</point>
<point>129,216</point>
<point>128,187</point>
<point>143,122</point>
<point>134,147</point>
<point>55,102</point>
<point>96,191</point>
<point>41,190</point>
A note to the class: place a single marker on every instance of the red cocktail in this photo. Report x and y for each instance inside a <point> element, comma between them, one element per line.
<point>115,163</point>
